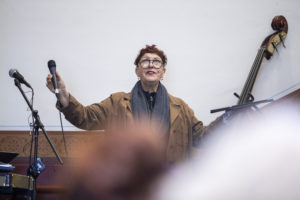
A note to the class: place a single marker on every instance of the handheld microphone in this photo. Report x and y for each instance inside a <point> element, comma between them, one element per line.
<point>52,69</point>
<point>15,74</point>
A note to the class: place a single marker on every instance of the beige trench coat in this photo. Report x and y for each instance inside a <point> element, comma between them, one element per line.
<point>185,127</point>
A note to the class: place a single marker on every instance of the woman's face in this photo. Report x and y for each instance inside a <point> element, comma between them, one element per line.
<point>150,69</point>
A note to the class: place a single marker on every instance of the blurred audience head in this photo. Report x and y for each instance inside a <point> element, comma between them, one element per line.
<point>124,165</point>
<point>254,161</point>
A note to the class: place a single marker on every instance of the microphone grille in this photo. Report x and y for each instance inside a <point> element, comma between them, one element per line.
<point>11,72</point>
<point>51,64</point>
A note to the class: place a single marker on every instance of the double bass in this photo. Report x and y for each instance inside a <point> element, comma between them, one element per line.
<point>266,50</point>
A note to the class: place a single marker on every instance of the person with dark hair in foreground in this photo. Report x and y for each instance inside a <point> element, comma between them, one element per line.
<point>148,100</point>
<point>126,165</point>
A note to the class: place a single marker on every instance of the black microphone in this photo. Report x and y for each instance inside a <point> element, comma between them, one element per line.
<point>52,69</point>
<point>15,74</point>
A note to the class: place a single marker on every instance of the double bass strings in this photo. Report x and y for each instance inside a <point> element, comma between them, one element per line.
<point>252,75</point>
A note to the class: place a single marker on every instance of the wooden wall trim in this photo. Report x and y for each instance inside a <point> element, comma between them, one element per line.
<point>19,141</point>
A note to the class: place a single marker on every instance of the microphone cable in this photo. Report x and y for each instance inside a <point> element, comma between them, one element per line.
<point>63,133</point>
<point>52,69</point>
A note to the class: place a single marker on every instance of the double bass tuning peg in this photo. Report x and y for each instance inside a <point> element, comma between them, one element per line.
<point>281,39</point>
<point>273,44</point>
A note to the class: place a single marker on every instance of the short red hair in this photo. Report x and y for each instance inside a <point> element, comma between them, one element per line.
<point>151,49</point>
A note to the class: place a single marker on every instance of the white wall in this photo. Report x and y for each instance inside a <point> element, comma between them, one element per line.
<point>211,46</point>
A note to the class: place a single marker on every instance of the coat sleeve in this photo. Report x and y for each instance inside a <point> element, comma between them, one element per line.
<point>92,117</point>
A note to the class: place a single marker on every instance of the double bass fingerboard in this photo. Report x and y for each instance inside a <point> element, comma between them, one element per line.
<point>245,95</point>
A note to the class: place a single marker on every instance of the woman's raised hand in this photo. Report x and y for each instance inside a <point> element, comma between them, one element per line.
<point>63,93</point>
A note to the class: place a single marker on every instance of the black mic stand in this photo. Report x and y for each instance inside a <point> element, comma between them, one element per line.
<point>35,169</point>
<point>241,106</point>
<point>234,111</point>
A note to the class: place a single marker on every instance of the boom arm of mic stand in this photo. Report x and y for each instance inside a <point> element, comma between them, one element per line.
<point>37,119</point>
<point>241,106</point>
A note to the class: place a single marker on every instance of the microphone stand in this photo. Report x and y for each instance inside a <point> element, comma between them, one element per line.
<point>241,106</point>
<point>234,111</point>
<point>35,169</point>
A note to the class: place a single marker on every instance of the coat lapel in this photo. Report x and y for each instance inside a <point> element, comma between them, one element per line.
<point>174,109</point>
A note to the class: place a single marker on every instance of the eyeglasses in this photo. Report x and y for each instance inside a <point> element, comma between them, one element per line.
<point>155,63</point>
